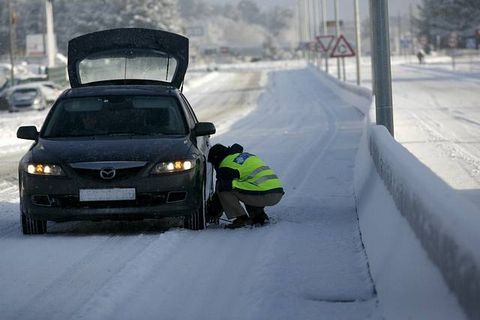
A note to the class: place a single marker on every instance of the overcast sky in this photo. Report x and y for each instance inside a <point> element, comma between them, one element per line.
<point>346,6</point>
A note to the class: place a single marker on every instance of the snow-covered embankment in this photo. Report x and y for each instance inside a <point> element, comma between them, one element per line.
<point>445,224</point>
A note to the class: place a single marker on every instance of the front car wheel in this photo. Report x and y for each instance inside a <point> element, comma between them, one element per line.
<point>196,221</point>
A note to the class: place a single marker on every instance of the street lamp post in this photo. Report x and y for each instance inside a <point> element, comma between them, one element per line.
<point>358,41</point>
<point>11,26</point>
<point>50,33</point>
<point>337,33</point>
<point>325,29</point>
<point>382,77</point>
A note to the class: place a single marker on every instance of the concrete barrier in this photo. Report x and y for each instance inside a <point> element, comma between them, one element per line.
<point>446,224</point>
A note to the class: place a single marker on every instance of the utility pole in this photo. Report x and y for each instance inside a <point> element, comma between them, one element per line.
<point>337,33</point>
<point>51,48</point>
<point>316,31</point>
<point>382,78</point>
<point>358,41</point>
<point>310,31</point>
<point>325,29</point>
<point>412,46</point>
<point>11,26</point>
<point>299,23</point>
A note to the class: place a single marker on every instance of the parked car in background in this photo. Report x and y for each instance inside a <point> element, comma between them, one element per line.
<point>26,98</point>
<point>31,96</point>
<point>4,105</point>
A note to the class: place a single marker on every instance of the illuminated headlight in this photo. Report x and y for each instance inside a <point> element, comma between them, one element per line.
<point>45,169</point>
<point>37,101</point>
<point>173,166</point>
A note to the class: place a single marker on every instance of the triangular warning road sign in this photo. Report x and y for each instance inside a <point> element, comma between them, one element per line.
<point>325,42</point>
<point>342,49</point>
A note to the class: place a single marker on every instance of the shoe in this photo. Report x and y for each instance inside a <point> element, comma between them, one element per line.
<point>214,209</point>
<point>240,222</point>
<point>257,214</point>
<point>260,218</point>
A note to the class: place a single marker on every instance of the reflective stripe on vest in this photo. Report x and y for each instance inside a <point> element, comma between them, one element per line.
<point>254,174</point>
<point>265,178</point>
<point>257,171</point>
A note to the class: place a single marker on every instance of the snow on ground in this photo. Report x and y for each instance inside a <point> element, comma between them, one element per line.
<point>9,122</point>
<point>309,263</point>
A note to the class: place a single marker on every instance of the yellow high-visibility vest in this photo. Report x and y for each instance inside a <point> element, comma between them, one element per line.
<point>255,175</point>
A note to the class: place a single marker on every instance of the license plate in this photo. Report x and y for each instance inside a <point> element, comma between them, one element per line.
<point>117,194</point>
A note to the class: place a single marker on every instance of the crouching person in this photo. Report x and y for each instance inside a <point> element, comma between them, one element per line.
<point>244,177</point>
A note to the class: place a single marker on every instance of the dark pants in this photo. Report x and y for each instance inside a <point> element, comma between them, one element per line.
<point>230,201</point>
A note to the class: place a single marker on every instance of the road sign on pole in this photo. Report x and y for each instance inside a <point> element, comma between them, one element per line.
<point>423,40</point>
<point>325,42</point>
<point>319,47</point>
<point>453,40</point>
<point>342,49</point>
<point>453,44</point>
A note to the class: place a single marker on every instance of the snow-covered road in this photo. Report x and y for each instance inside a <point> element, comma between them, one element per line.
<point>308,264</point>
<point>437,115</point>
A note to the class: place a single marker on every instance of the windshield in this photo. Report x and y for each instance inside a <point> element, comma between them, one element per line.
<point>116,116</point>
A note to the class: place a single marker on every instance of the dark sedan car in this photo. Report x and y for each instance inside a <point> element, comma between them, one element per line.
<point>123,143</point>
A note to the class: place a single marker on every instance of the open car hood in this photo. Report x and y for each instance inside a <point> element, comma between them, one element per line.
<point>127,56</point>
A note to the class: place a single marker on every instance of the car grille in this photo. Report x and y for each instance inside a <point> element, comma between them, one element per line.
<point>119,173</point>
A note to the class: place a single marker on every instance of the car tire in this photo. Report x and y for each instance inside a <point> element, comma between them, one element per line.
<point>197,221</point>
<point>33,226</point>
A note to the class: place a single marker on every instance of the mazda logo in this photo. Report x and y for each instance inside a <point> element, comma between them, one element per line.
<point>107,173</point>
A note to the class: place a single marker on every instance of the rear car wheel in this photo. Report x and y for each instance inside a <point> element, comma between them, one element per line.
<point>196,221</point>
<point>32,226</point>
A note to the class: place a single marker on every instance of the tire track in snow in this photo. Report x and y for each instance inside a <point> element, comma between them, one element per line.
<point>451,148</point>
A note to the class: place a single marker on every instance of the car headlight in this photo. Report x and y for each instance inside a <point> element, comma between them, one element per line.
<point>173,166</point>
<point>37,101</point>
<point>45,169</point>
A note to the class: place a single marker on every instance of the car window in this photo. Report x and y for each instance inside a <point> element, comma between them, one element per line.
<point>116,115</point>
<point>190,110</point>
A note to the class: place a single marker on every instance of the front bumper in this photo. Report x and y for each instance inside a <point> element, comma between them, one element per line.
<point>57,198</point>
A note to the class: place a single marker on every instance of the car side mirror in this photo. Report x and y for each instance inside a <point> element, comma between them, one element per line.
<point>27,132</point>
<point>204,129</point>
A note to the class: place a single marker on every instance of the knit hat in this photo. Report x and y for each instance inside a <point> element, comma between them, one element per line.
<point>216,154</point>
